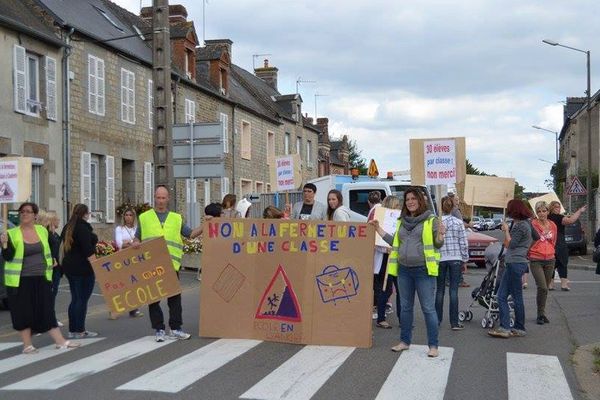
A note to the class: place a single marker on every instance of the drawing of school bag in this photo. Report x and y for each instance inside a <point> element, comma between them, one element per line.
<point>337,283</point>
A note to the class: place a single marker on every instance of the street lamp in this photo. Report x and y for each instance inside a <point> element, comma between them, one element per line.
<point>592,216</point>
<point>556,137</point>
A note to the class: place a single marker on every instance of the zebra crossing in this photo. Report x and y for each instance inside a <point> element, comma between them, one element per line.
<point>300,376</point>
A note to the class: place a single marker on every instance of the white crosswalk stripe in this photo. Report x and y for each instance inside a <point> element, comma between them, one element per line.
<point>178,374</point>
<point>9,345</point>
<point>302,375</point>
<point>536,376</point>
<point>69,373</point>
<point>21,360</point>
<point>417,376</point>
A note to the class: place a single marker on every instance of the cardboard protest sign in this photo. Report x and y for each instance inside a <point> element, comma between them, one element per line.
<point>388,220</point>
<point>307,282</point>
<point>548,197</point>
<point>287,173</point>
<point>15,179</point>
<point>488,191</point>
<point>437,156</point>
<point>131,278</point>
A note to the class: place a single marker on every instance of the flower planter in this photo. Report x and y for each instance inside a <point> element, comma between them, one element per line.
<point>191,260</point>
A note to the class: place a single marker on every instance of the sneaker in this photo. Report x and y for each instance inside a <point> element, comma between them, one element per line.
<point>546,320</point>
<point>160,335</point>
<point>518,332</point>
<point>60,324</point>
<point>179,334</point>
<point>374,312</point>
<point>71,335</point>
<point>88,334</point>
<point>458,327</point>
<point>388,308</point>
<point>500,333</point>
<point>136,314</point>
<point>539,320</point>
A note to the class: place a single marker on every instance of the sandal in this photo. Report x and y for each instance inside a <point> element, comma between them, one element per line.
<point>384,325</point>
<point>433,352</point>
<point>400,347</point>
<point>68,345</point>
<point>29,350</point>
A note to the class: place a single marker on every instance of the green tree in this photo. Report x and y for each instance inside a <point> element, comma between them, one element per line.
<point>356,160</point>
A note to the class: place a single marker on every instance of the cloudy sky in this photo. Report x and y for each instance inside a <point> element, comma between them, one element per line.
<point>394,70</point>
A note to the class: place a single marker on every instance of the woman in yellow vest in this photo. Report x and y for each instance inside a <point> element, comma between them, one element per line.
<point>414,260</point>
<point>28,278</point>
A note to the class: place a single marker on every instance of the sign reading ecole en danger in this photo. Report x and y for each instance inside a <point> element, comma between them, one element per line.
<point>576,188</point>
<point>440,162</point>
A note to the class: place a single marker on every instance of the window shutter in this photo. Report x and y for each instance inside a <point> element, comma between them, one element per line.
<point>193,110</point>
<point>86,179</point>
<point>51,88</point>
<point>225,126</point>
<point>123,95</point>
<point>110,189</point>
<point>20,79</point>
<point>100,86</point>
<point>224,186</point>
<point>131,103</point>
<point>92,85</point>
<point>148,182</point>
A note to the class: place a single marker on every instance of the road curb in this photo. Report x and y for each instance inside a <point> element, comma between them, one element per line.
<point>583,360</point>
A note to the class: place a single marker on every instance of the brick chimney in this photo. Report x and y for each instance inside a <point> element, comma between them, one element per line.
<point>267,74</point>
<point>177,14</point>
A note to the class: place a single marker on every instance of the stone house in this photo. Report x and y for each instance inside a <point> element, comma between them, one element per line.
<point>32,108</point>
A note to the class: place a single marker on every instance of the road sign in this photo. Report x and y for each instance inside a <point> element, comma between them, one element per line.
<point>576,188</point>
<point>198,154</point>
<point>373,172</point>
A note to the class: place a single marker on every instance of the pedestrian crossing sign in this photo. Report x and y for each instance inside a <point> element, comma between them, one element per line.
<point>576,188</point>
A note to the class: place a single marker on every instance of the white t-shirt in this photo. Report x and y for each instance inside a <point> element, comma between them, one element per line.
<point>124,234</point>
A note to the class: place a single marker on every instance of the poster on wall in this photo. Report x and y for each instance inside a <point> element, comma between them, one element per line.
<point>287,281</point>
<point>131,278</point>
<point>15,179</point>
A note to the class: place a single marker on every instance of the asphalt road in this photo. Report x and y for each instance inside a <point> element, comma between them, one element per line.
<point>472,364</point>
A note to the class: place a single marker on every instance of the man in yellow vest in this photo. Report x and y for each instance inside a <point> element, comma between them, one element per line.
<point>158,222</point>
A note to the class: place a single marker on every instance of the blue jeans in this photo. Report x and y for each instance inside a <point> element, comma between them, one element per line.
<point>411,280</point>
<point>511,285</point>
<point>81,291</point>
<point>453,270</point>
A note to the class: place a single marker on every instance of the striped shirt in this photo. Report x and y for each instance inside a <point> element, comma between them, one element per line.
<point>455,243</point>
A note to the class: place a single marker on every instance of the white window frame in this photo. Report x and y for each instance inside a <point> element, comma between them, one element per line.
<point>32,103</point>
<point>85,182</point>
<point>286,143</point>
<point>190,111</point>
<point>36,180</point>
<point>224,186</point>
<point>270,147</point>
<point>94,184</point>
<point>96,92</point>
<point>110,189</point>
<point>224,118</point>
<point>309,153</point>
<point>148,183</point>
<point>150,104</point>
<point>248,183</point>
<point>246,140</point>
<point>127,96</point>
<point>51,89</point>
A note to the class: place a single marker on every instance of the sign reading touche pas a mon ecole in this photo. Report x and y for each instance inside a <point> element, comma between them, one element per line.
<point>307,282</point>
<point>133,277</point>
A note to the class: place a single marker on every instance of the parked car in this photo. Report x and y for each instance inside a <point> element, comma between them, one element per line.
<point>478,242</point>
<point>497,223</point>
<point>575,238</point>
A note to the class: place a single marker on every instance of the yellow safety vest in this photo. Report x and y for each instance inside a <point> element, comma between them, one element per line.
<point>432,255</point>
<point>12,268</point>
<point>170,230</point>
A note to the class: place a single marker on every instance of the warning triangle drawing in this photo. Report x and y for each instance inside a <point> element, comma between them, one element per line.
<point>279,301</point>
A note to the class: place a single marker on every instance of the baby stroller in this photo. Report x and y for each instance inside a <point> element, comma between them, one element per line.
<point>485,294</point>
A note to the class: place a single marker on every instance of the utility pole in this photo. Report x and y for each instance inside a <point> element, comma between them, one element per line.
<point>162,135</point>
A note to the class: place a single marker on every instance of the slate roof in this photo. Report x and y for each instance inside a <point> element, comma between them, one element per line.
<point>93,19</point>
<point>18,15</point>
<point>573,108</point>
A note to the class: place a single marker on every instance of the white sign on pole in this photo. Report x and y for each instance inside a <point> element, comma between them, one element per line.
<point>440,162</point>
<point>284,170</point>
<point>15,180</point>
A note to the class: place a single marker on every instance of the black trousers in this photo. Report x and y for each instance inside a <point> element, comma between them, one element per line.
<point>175,314</point>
